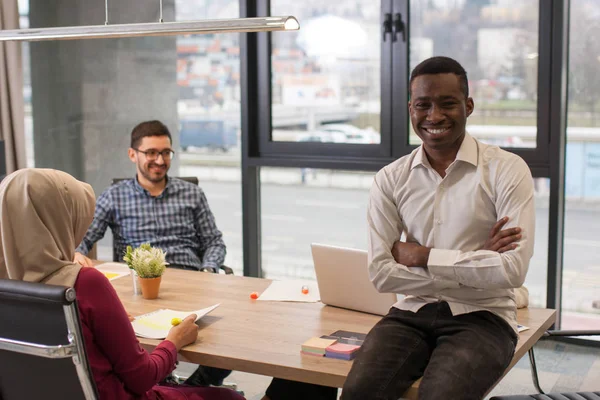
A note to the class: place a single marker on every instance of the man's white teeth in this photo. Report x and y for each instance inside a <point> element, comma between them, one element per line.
<point>436,131</point>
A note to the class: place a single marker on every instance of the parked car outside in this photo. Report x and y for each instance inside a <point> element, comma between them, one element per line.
<point>323,136</point>
<point>350,133</point>
<point>213,134</point>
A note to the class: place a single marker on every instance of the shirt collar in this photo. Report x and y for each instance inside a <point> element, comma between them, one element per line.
<point>468,150</point>
<point>467,153</point>
<point>139,188</point>
<point>420,158</point>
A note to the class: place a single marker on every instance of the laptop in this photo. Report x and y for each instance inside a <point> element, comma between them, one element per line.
<point>344,281</point>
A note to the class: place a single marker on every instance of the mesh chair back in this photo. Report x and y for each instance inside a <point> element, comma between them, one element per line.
<point>42,354</point>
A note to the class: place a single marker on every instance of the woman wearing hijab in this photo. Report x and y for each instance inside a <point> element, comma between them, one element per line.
<point>44,215</point>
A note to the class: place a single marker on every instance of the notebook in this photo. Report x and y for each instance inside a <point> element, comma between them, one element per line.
<point>316,346</point>
<point>347,337</point>
<point>157,324</point>
<point>344,281</point>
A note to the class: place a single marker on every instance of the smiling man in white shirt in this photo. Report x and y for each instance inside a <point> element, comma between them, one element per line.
<point>456,327</point>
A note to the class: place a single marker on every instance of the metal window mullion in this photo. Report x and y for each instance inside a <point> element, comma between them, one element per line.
<point>557,122</point>
<point>400,82</point>
<point>254,124</point>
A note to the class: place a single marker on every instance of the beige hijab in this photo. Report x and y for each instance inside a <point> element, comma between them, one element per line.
<point>44,215</point>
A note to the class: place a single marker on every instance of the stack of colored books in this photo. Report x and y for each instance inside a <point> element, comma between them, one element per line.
<point>342,345</point>
<point>342,351</point>
<point>316,346</point>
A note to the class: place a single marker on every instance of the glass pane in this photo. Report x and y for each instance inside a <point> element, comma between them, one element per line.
<point>300,207</point>
<point>581,269</point>
<point>497,44</point>
<point>23,24</point>
<point>189,82</point>
<point>326,76</point>
<point>537,276</point>
<point>208,105</point>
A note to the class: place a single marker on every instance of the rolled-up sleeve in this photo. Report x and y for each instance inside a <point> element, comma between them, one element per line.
<point>486,269</point>
<point>385,227</point>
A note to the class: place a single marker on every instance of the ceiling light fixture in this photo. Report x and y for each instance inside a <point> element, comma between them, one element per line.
<point>160,28</point>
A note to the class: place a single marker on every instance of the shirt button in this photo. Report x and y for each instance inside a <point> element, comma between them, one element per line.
<point>438,221</point>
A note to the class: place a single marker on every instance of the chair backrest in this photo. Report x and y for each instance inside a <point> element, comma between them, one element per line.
<point>119,257</point>
<point>42,354</point>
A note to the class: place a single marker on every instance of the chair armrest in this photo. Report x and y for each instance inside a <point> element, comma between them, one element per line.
<point>571,333</point>
<point>551,396</point>
<point>226,269</point>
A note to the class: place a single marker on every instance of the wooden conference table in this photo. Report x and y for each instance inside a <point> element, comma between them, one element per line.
<point>263,337</point>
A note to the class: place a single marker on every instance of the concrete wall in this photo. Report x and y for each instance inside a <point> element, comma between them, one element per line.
<point>87,95</point>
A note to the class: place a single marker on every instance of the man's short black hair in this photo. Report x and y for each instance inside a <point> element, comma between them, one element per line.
<point>441,65</point>
<point>148,128</point>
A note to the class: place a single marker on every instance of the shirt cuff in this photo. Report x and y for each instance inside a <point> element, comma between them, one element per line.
<point>81,249</point>
<point>441,263</point>
<point>211,265</point>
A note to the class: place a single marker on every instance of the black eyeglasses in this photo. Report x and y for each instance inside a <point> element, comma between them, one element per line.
<point>152,154</point>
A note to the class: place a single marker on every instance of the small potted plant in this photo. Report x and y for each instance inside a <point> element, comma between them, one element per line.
<point>149,264</point>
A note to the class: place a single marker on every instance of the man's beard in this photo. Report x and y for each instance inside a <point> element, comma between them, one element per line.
<point>153,178</point>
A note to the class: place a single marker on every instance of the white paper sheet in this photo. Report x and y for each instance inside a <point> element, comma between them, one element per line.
<point>157,324</point>
<point>113,270</point>
<point>291,291</point>
<point>521,328</point>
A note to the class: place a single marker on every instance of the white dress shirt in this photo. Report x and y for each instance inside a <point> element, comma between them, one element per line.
<point>453,216</point>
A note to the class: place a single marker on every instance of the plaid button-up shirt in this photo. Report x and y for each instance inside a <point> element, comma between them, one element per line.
<point>179,221</point>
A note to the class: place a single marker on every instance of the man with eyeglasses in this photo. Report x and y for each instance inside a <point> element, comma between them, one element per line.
<point>168,213</point>
<point>154,208</point>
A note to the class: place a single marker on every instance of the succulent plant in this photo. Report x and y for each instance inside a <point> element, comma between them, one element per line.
<point>146,261</point>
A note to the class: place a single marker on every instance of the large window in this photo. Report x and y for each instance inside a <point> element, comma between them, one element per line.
<point>345,93</point>
<point>84,97</point>
<point>300,207</point>
<point>537,276</point>
<point>326,77</point>
<point>497,43</point>
<point>208,109</point>
<point>321,109</point>
<point>581,274</point>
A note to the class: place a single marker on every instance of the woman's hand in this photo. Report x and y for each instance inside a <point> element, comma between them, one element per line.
<point>83,260</point>
<point>185,333</point>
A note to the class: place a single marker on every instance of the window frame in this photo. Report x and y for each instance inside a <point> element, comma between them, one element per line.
<point>547,160</point>
<point>394,117</point>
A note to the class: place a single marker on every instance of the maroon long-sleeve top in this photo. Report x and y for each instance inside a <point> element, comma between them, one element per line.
<point>121,369</point>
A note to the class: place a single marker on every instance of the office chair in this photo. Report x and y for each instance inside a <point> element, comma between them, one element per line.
<point>549,334</point>
<point>534,374</point>
<point>42,354</point>
<point>552,396</point>
<point>191,179</point>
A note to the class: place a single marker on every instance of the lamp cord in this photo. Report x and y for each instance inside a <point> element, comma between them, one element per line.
<point>161,15</point>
